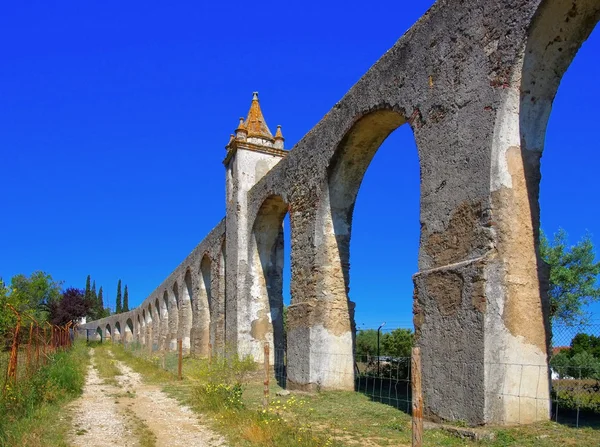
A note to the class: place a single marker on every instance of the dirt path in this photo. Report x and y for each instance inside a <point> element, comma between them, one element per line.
<point>132,413</point>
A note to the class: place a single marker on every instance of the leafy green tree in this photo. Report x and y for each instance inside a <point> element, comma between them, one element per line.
<point>398,343</point>
<point>573,277</point>
<point>31,295</point>
<point>126,300</point>
<point>366,343</point>
<point>586,343</point>
<point>119,307</point>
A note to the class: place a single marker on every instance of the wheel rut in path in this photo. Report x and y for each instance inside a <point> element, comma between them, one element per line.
<point>133,413</point>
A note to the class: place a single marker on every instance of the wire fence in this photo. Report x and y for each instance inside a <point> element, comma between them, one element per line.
<point>384,376</point>
<point>28,346</point>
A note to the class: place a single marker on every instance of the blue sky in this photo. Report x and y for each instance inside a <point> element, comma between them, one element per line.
<point>114,117</point>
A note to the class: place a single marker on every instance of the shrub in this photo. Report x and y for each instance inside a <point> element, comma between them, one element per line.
<point>573,394</point>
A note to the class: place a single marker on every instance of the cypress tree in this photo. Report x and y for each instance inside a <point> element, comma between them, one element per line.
<point>119,308</point>
<point>88,291</point>
<point>93,303</point>
<point>125,300</point>
<point>100,304</point>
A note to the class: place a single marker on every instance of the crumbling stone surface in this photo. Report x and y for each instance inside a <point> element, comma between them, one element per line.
<point>475,82</point>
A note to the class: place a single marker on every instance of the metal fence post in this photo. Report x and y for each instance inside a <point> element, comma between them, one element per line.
<point>417,399</point>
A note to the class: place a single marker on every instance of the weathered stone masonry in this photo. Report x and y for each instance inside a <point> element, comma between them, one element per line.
<point>475,81</point>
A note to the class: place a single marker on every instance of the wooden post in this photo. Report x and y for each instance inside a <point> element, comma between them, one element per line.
<point>29,366</point>
<point>417,398</point>
<point>266,390</point>
<point>180,362</point>
<point>209,353</point>
<point>37,346</point>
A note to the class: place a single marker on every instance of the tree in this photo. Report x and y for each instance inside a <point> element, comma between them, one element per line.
<point>118,308</point>
<point>573,277</point>
<point>126,300</point>
<point>100,304</point>
<point>398,343</point>
<point>366,343</point>
<point>72,306</point>
<point>88,289</point>
<point>31,295</point>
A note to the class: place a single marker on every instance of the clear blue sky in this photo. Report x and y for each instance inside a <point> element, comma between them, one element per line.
<point>114,117</point>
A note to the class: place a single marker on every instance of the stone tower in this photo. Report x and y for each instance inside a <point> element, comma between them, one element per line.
<point>251,152</point>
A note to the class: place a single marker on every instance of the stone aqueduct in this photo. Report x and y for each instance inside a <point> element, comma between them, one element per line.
<point>475,81</point>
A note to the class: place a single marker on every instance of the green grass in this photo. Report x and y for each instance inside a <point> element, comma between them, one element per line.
<point>33,410</point>
<point>325,418</point>
<point>106,365</point>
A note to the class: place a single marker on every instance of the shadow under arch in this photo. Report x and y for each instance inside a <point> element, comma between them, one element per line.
<point>266,262</point>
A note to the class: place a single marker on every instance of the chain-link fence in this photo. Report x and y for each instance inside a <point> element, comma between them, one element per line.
<point>575,373</point>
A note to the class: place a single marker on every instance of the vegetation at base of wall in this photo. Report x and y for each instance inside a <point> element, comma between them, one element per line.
<point>31,409</point>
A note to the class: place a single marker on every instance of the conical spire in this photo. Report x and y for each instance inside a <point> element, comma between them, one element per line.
<point>255,123</point>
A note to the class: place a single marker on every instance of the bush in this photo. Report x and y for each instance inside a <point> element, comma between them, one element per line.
<point>573,394</point>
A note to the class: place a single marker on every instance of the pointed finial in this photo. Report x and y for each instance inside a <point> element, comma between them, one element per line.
<point>278,134</point>
<point>241,125</point>
<point>255,123</point>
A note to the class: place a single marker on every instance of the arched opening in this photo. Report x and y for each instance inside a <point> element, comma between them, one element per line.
<point>156,318</point>
<point>164,321</point>
<point>117,334</point>
<point>185,311</point>
<point>149,328</point>
<point>107,333</point>
<point>128,331</point>
<point>553,120</point>
<point>201,309</point>
<point>173,317</point>
<point>143,333</point>
<point>138,329</point>
<point>265,271</point>
<point>98,333</point>
<point>331,350</point>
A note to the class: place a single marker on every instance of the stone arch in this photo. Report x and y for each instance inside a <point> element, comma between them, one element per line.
<point>117,332</point>
<point>149,327</point>
<point>185,311</point>
<point>201,308</point>
<point>157,324</point>
<point>333,326</point>
<point>138,329</point>
<point>107,332</point>
<point>164,321</point>
<point>173,316</point>
<point>128,337</point>
<point>143,329</point>
<point>98,336</point>
<point>265,278</point>
<point>555,34</point>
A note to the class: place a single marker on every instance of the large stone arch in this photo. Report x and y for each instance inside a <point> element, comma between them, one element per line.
<point>164,321</point>
<point>185,311</point>
<point>173,316</point>
<point>329,362</point>
<point>107,332</point>
<point>218,316</point>
<point>201,307</point>
<point>149,327</point>
<point>117,332</point>
<point>128,337</point>
<point>555,34</point>
<point>265,281</point>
